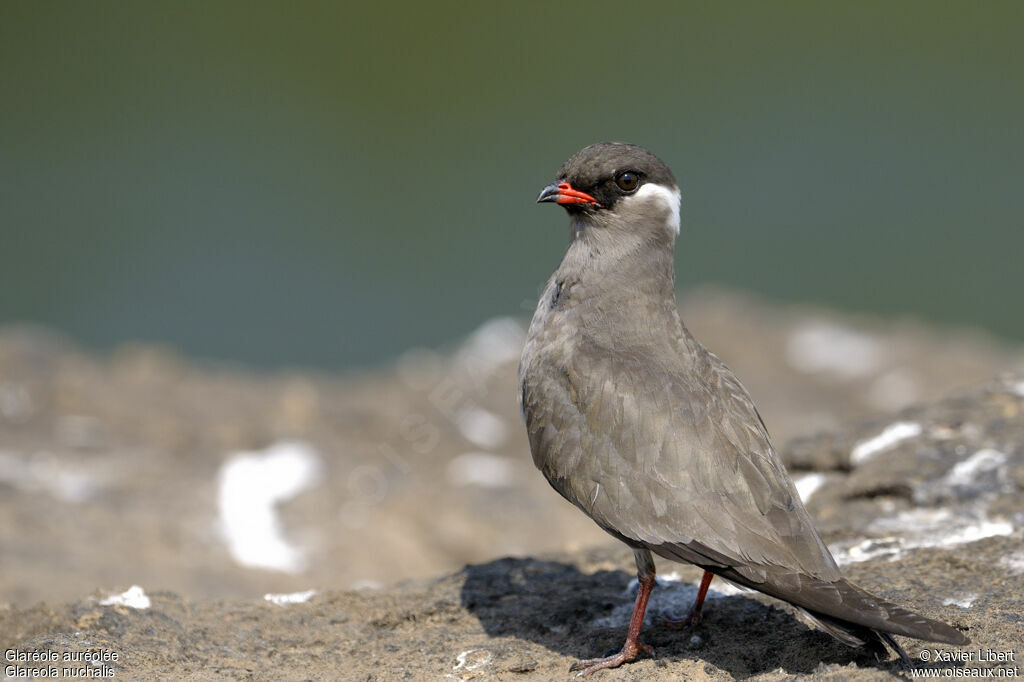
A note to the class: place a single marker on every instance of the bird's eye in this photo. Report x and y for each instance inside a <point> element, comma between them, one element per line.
<point>627,181</point>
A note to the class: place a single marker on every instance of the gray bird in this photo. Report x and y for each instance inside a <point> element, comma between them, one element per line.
<point>651,435</point>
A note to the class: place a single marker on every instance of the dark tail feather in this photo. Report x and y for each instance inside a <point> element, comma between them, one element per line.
<point>855,635</point>
<point>888,639</point>
<point>847,612</point>
<point>863,610</point>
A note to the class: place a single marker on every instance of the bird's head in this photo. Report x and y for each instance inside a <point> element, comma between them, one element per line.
<point>614,184</point>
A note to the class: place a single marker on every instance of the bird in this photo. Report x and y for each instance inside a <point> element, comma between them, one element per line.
<point>652,436</point>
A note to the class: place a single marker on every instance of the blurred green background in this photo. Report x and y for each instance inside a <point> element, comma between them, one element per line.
<point>327,184</point>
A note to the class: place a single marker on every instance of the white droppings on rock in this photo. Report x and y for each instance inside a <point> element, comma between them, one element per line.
<point>982,462</point>
<point>808,484</point>
<point>824,347</point>
<point>290,597</point>
<point>482,469</point>
<point>891,436</point>
<point>919,528</point>
<point>134,597</point>
<point>469,661</point>
<point>865,550</point>
<point>251,485</point>
<point>941,527</point>
<point>964,601</point>
<point>1018,388</point>
<point>972,533</point>
<point>481,427</point>
<point>1014,563</point>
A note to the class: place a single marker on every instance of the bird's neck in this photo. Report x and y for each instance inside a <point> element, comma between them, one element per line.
<point>622,274</point>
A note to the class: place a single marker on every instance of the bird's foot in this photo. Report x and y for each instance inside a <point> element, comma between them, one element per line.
<point>687,622</point>
<point>629,653</point>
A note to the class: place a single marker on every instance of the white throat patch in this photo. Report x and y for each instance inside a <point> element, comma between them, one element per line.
<point>668,197</point>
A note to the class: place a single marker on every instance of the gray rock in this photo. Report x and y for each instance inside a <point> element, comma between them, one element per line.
<point>110,476</point>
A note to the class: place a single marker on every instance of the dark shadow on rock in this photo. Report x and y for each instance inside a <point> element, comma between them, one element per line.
<point>555,605</point>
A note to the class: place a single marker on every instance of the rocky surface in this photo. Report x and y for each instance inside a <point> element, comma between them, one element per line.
<point>210,486</point>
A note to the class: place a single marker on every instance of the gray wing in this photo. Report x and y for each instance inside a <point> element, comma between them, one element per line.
<point>673,458</point>
<point>676,459</point>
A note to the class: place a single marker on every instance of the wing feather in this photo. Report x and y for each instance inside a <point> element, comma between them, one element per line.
<point>670,456</point>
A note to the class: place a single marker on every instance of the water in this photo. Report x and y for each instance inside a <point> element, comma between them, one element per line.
<point>327,186</point>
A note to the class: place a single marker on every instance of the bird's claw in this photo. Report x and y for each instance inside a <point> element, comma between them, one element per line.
<point>628,653</point>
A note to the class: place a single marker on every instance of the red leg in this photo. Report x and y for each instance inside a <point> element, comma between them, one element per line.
<point>633,645</point>
<point>693,618</point>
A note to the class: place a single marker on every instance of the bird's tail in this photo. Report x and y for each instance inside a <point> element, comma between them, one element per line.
<point>856,636</point>
<point>859,610</point>
<point>849,613</point>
